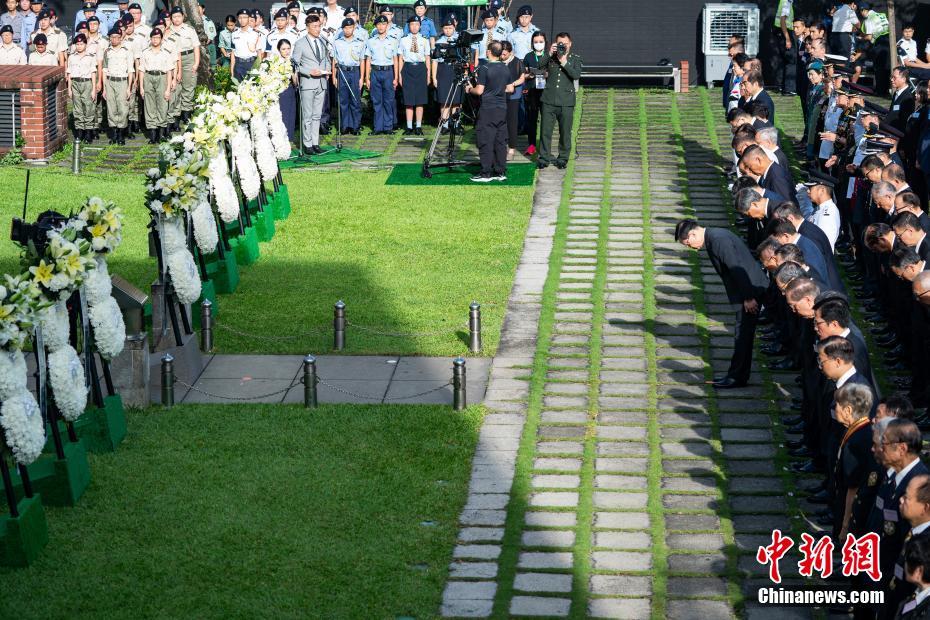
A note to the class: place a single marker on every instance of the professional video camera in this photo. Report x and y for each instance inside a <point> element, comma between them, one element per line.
<point>458,52</point>
<point>36,235</point>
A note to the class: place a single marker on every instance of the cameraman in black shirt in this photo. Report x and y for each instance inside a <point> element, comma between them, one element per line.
<point>493,86</point>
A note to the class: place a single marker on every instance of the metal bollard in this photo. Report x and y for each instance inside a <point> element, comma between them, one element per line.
<point>76,156</point>
<point>206,326</point>
<point>474,327</point>
<point>339,326</point>
<point>459,401</point>
<point>310,382</point>
<point>167,380</point>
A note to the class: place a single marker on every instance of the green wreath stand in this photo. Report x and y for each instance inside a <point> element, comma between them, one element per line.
<point>23,537</point>
<point>102,429</point>
<point>60,482</point>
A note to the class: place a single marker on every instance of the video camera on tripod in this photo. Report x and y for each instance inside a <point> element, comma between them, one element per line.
<point>458,54</point>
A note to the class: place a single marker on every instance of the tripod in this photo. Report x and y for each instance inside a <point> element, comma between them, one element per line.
<point>454,122</point>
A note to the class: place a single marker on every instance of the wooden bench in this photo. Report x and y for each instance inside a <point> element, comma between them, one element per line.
<point>676,75</point>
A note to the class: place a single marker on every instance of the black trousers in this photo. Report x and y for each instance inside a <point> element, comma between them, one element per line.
<point>491,136</point>
<point>533,104</point>
<point>789,64</point>
<point>513,122</point>
<point>741,362</point>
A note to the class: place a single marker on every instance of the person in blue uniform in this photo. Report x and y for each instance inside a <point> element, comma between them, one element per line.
<point>359,33</point>
<point>393,30</point>
<point>521,37</point>
<point>492,31</point>
<point>444,77</point>
<point>380,76</point>
<point>413,67</point>
<point>497,7</point>
<point>350,54</point>
<point>427,26</point>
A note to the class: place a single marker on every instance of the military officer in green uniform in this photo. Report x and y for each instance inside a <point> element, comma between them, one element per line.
<point>558,100</point>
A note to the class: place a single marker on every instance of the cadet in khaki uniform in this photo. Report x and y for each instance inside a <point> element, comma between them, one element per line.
<point>171,42</point>
<point>189,49</point>
<point>136,44</point>
<point>8,49</point>
<point>156,72</point>
<point>40,56</point>
<point>115,72</point>
<point>96,43</point>
<point>56,42</point>
<point>558,100</point>
<point>82,78</point>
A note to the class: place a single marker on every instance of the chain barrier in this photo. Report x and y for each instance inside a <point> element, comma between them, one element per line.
<point>238,332</point>
<point>384,399</point>
<point>239,398</point>
<point>327,331</point>
<point>382,332</point>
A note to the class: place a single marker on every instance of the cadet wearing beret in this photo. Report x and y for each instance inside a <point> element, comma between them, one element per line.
<point>245,42</point>
<point>41,56</point>
<point>427,26</point>
<point>393,31</point>
<point>56,41</point>
<point>497,7</point>
<point>115,71</point>
<point>492,31</point>
<point>293,10</point>
<point>380,76</point>
<point>156,72</point>
<point>282,32</point>
<point>522,36</point>
<point>413,54</point>
<point>85,12</point>
<point>359,33</point>
<point>349,51</point>
<point>10,53</point>
<point>140,27</point>
<point>81,73</point>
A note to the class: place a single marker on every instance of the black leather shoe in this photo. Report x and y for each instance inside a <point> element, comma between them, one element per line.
<point>727,383</point>
<point>903,382</point>
<point>541,165</point>
<point>784,364</point>
<point>817,488</point>
<point>898,350</point>
<point>882,330</point>
<point>874,318</point>
<point>418,131</point>
<point>776,348</point>
<point>795,406</point>
<point>792,421</point>
<point>794,444</point>
<point>807,467</point>
<point>768,337</point>
<point>561,165</point>
<point>316,149</point>
<point>890,341</point>
<point>801,453</point>
<point>408,132</point>
<point>797,429</point>
<point>821,497</point>
<point>896,365</point>
<point>825,521</point>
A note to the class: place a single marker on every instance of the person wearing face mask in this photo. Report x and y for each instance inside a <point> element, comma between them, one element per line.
<point>534,85</point>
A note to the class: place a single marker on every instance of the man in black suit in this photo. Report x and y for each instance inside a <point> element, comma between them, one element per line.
<point>791,212</point>
<point>759,111</point>
<point>767,138</point>
<point>745,283</point>
<point>735,47</point>
<point>908,229</point>
<point>771,175</point>
<point>833,318</point>
<point>915,508</point>
<point>910,202</point>
<point>902,100</point>
<point>783,231</point>
<point>756,92</point>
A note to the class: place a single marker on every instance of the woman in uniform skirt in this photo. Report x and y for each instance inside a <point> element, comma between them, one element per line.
<point>287,100</point>
<point>444,77</point>
<point>413,60</point>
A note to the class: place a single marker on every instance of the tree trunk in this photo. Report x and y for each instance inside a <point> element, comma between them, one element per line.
<point>192,16</point>
<point>892,37</point>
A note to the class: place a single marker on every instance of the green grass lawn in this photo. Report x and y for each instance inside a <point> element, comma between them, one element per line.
<point>259,511</point>
<point>404,259</point>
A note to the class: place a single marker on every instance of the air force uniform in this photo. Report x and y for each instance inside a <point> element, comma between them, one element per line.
<point>380,53</point>
<point>498,33</point>
<point>349,55</point>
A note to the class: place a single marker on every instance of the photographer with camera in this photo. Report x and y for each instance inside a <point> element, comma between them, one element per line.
<point>494,84</point>
<point>443,75</point>
<point>558,99</point>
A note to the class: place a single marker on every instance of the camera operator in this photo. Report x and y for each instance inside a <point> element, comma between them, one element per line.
<point>558,99</point>
<point>493,86</point>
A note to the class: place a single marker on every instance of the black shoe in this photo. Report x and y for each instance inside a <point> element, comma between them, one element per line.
<point>904,382</point>
<point>807,467</point>
<point>151,135</point>
<point>408,132</point>
<point>541,165</point>
<point>821,497</point>
<point>817,488</point>
<point>882,330</point>
<point>728,383</point>
<point>890,341</point>
<point>826,520</point>
<point>316,149</point>
<point>418,131</point>
<point>784,364</point>
<point>898,350</point>
<point>895,365</point>
<point>561,165</point>
<point>121,136</point>
<point>794,444</point>
<point>775,349</point>
<point>795,407</point>
<point>797,429</point>
<point>801,453</point>
<point>792,421</point>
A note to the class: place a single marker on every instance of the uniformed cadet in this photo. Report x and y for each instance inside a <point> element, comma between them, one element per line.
<point>209,29</point>
<point>558,100</point>
<point>136,44</point>
<point>56,41</point>
<point>334,15</point>
<point>413,67</point>
<point>139,26</point>
<point>171,43</point>
<point>380,76</point>
<point>282,32</point>
<point>393,30</point>
<point>293,9</point>
<point>81,73</point>
<point>444,77</point>
<point>95,41</point>
<point>156,72</point>
<point>245,46</point>
<point>87,10</point>
<point>492,31</point>
<point>497,7</point>
<point>521,37</point>
<point>189,49</point>
<point>359,33</point>
<point>29,24</point>
<point>257,23</point>
<point>10,53</point>
<point>115,71</point>
<point>427,25</point>
<point>350,54</point>
<point>40,56</point>
<point>14,19</point>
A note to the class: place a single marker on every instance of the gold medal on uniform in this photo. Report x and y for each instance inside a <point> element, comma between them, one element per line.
<point>873,479</point>
<point>889,527</point>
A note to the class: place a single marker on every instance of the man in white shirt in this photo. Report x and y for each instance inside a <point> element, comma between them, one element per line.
<point>845,21</point>
<point>826,215</point>
<point>334,14</point>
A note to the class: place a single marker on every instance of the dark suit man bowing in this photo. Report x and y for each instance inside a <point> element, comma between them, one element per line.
<point>745,283</point>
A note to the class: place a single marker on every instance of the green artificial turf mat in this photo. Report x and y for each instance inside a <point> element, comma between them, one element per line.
<point>518,175</point>
<point>329,156</point>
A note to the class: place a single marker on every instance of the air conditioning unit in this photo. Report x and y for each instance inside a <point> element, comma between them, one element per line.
<point>720,22</point>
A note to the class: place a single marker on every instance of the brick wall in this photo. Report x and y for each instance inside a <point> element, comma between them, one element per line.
<point>33,84</point>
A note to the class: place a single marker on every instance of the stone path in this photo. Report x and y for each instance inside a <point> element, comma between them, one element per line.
<point>614,483</point>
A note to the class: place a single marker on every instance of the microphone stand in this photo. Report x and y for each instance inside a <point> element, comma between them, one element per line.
<point>340,74</point>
